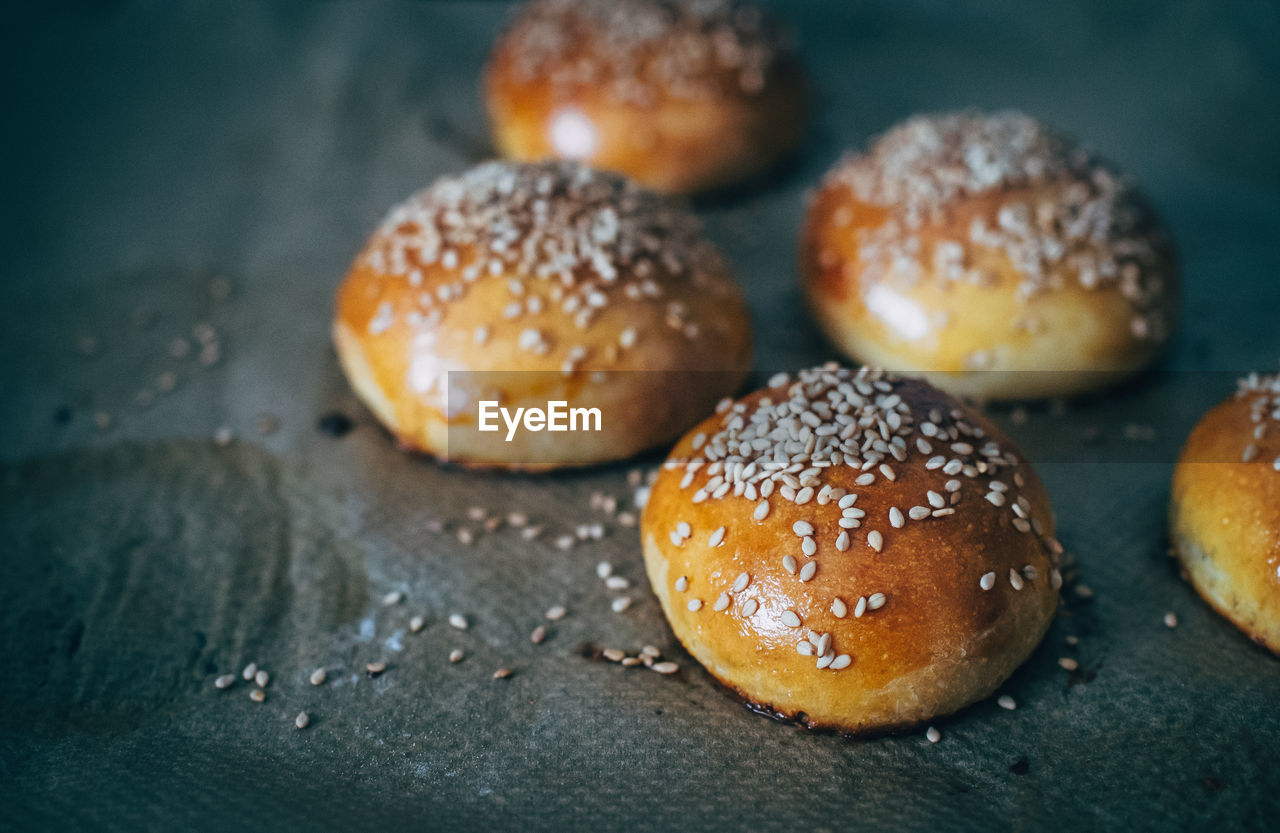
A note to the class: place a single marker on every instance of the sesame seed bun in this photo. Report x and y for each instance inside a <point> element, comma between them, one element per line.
<point>964,246</point>
<point>853,550</point>
<point>1225,511</point>
<point>528,284</point>
<point>682,96</point>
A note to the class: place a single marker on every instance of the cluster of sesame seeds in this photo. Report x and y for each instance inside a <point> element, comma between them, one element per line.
<point>783,447</point>
<point>1263,393</point>
<point>639,50</point>
<point>649,657</point>
<point>1092,222</point>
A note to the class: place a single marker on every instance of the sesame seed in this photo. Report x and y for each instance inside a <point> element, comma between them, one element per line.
<point>825,660</point>
<point>919,513</point>
<point>373,669</point>
<point>741,582</point>
<point>612,654</point>
<point>261,679</point>
<point>620,604</point>
<point>503,673</point>
<point>604,569</point>
<point>1068,663</point>
<point>617,583</point>
<point>302,721</point>
<point>392,598</point>
<point>841,662</point>
<point>842,541</point>
<point>466,536</point>
<point>416,624</point>
<point>802,528</point>
<point>717,538</point>
<point>722,601</point>
<point>318,676</point>
<point>457,620</point>
<point>538,635</point>
<point>224,681</point>
<point>875,540</point>
<point>1171,620</point>
<point>258,695</point>
<point>807,571</point>
<point>790,619</point>
<point>987,581</point>
<point>762,510</point>
<point>694,605</point>
<point>665,667</point>
<point>682,584</point>
<point>1015,579</point>
<point>683,529</point>
<point>805,648</point>
<point>1006,702</point>
<point>789,564</point>
<point>249,671</point>
<point>860,607</point>
<point>895,517</point>
<point>838,608</point>
<point>876,601</point>
<point>932,735</point>
<point>556,613</point>
<point>456,655</point>
<point>1084,591</point>
<point>808,546</point>
<point>750,607</point>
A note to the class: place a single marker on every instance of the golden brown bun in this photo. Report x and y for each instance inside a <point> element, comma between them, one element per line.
<point>1225,512</point>
<point>682,99</point>
<point>938,641</point>
<point>526,284</point>
<point>965,246</point>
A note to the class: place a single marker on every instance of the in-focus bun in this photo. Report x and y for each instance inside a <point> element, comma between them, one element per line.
<point>852,549</point>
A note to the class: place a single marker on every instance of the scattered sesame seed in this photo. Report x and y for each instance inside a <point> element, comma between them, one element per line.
<point>302,721</point>
<point>604,569</point>
<point>261,679</point>
<point>556,613</point>
<point>665,667</point>
<point>373,669</point>
<point>617,583</point>
<point>1170,620</point>
<point>620,604</point>
<point>392,598</point>
<point>1084,591</point>
<point>249,671</point>
<point>456,655</point>
<point>224,681</point>
<point>258,695</point>
<point>457,620</point>
<point>538,635</point>
<point>1006,702</point>
<point>932,735</point>
<point>613,654</point>
<point>1068,663</point>
<point>503,673</point>
<point>318,676</point>
<point>416,624</point>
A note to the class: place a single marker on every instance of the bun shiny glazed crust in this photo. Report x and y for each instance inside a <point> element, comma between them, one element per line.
<point>1225,513</point>
<point>991,256</point>
<point>853,550</point>
<point>681,95</point>
<point>526,284</point>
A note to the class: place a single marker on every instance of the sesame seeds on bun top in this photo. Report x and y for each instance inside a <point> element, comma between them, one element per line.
<point>1055,206</point>
<point>639,49</point>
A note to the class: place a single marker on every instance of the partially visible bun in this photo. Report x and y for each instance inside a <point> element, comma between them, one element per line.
<point>681,95</point>
<point>969,248</point>
<point>1225,512</point>
<point>852,549</point>
<point>526,284</point>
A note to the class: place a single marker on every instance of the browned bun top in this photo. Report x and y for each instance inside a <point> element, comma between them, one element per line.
<point>854,546</point>
<point>641,51</point>
<point>1003,181</point>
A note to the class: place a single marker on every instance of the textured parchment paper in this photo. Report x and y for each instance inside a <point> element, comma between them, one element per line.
<point>152,148</point>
